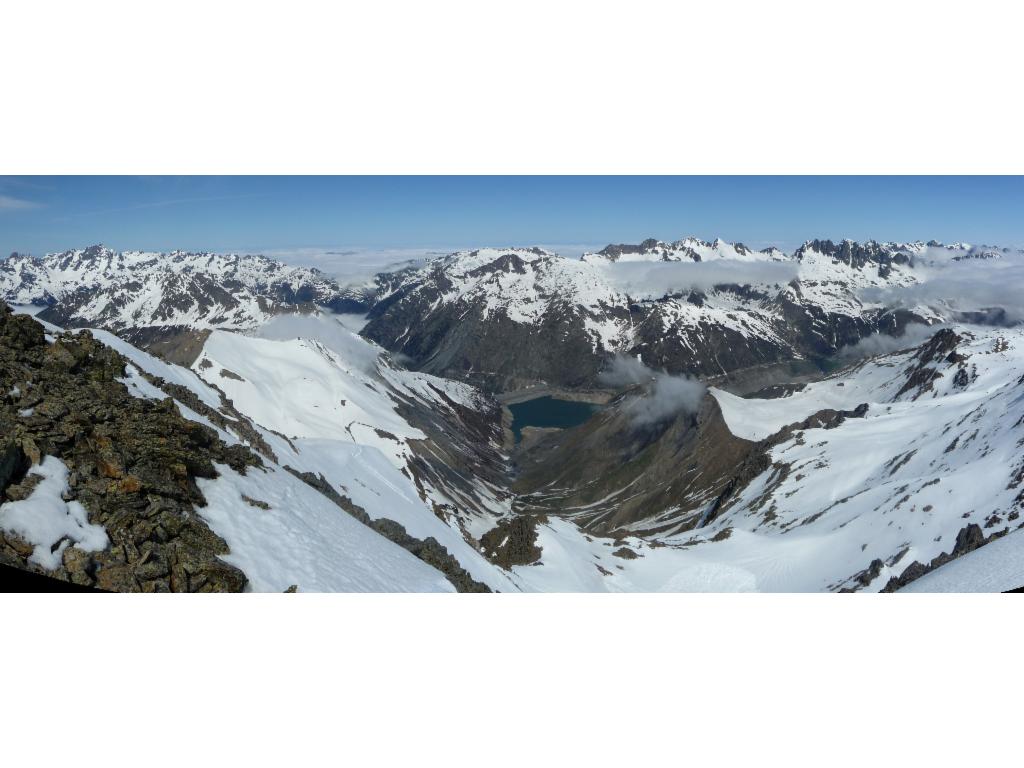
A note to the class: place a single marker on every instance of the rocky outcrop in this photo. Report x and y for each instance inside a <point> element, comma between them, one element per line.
<point>133,464</point>
<point>13,463</point>
<point>614,251</point>
<point>938,351</point>
<point>178,344</point>
<point>968,539</point>
<point>513,541</point>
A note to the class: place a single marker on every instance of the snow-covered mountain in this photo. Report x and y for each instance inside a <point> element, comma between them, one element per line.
<point>688,249</point>
<point>849,252</point>
<point>706,308</point>
<point>511,318</point>
<point>103,288</point>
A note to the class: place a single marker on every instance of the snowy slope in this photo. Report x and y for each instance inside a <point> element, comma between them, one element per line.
<point>304,539</point>
<point>995,567</point>
<point>890,486</point>
<point>897,485</point>
<point>573,561</point>
<point>328,415</point>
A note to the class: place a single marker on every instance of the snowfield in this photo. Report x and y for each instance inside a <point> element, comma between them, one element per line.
<point>328,415</point>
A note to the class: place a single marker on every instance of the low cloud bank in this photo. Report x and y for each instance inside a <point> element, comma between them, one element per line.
<point>666,396</point>
<point>326,329</point>
<point>355,266</point>
<point>970,285</point>
<point>655,279</point>
<point>914,335</point>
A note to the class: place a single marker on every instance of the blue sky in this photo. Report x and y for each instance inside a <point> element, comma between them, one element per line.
<point>39,214</point>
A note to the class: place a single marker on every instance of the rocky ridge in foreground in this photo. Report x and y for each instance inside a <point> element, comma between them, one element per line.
<point>131,463</point>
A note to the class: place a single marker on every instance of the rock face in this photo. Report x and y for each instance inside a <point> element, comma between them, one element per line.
<point>859,255</point>
<point>941,348</point>
<point>506,319</point>
<point>102,288</point>
<point>132,464</point>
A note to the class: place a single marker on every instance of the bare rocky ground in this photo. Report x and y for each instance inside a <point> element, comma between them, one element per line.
<point>132,464</point>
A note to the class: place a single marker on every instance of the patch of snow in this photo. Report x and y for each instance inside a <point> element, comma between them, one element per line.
<point>48,522</point>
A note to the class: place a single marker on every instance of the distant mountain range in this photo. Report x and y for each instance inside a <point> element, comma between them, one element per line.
<point>506,319</point>
<point>103,288</point>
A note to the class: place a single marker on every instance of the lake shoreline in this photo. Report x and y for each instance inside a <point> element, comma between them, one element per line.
<point>547,412</point>
<point>594,396</point>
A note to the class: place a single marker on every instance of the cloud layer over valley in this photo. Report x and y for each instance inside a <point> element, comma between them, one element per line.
<point>664,396</point>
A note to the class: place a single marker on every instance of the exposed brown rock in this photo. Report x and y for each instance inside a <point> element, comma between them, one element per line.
<point>512,542</point>
<point>132,464</point>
